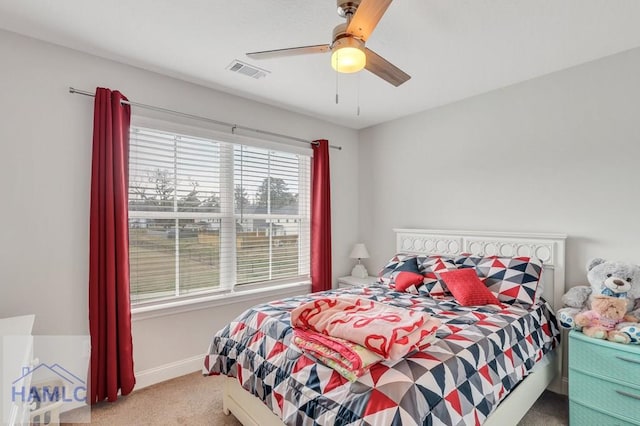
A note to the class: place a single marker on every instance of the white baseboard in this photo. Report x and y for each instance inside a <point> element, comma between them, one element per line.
<point>169,371</point>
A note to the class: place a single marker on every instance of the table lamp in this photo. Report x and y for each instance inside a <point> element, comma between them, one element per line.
<point>359,252</point>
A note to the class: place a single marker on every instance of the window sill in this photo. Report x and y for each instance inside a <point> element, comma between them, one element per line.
<point>205,302</point>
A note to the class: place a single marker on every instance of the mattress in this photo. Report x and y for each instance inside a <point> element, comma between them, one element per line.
<point>479,356</point>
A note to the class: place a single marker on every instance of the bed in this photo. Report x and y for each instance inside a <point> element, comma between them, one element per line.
<point>488,365</point>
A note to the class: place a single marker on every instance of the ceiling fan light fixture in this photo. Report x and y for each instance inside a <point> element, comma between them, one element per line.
<point>348,55</point>
<point>348,52</point>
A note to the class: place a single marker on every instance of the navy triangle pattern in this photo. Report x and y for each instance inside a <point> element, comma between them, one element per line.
<point>479,357</point>
<point>409,265</point>
<point>395,264</point>
<point>432,398</point>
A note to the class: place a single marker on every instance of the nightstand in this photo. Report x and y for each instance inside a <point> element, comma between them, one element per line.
<point>604,382</point>
<point>349,281</point>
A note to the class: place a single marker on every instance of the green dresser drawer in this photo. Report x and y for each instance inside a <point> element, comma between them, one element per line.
<point>607,396</point>
<point>603,358</point>
<point>580,415</point>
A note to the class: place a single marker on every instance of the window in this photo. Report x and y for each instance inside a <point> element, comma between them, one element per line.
<point>210,215</point>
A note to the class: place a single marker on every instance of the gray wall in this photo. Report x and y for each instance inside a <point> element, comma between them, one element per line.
<point>558,153</point>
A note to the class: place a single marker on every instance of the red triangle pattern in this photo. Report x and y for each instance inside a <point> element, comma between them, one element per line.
<point>484,370</point>
<point>256,337</point>
<point>423,355</point>
<point>277,348</point>
<point>454,399</point>
<point>497,264</point>
<point>378,402</point>
<point>334,381</point>
<point>260,318</point>
<point>377,371</point>
<point>480,315</point>
<point>511,292</point>
<point>487,323</point>
<point>279,399</point>
<point>239,327</point>
<point>439,265</point>
<point>509,354</point>
<point>454,329</point>
<point>301,363</point>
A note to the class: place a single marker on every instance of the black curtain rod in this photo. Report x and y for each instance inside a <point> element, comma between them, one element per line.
<point>206,119</point>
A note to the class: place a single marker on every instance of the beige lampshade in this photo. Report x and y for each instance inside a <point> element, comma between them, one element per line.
<point>359,252</point>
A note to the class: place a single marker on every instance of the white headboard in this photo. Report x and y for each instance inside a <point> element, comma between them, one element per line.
<point>549,248</point>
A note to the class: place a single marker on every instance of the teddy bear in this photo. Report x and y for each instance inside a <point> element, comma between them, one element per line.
<point>609,278</point>
<point>606,313</point>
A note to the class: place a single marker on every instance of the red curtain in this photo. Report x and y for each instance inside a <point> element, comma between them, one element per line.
<point>109,305</point>
<point>321,278</point>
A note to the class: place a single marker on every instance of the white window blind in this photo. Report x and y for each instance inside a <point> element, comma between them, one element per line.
<point>207,215</point>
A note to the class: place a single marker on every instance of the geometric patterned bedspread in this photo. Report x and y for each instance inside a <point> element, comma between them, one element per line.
<point>479,357</point>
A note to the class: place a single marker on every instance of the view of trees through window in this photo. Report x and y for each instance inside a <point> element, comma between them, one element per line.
<point>206,215</point>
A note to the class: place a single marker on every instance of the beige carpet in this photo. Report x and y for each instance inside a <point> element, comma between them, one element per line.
<point>197,400</point>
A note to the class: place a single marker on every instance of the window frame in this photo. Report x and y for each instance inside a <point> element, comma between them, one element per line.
<point>231,293</point>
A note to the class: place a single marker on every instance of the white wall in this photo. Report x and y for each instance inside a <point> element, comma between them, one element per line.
<point>555,154</point>
<point>45,137</point>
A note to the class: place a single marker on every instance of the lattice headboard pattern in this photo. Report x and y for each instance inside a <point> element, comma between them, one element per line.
<point>549,248</point>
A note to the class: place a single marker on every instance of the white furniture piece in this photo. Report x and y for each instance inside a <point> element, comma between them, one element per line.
<point>549,248</point>
<point>351,281</point>
<point>16,353</point>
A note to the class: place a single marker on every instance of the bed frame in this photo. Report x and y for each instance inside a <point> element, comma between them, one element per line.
<point>549,248</point>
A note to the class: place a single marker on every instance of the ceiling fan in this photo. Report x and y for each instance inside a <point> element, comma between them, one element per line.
<point>348,51</point>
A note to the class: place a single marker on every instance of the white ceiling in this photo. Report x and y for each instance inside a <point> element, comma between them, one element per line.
<point>453,49</point>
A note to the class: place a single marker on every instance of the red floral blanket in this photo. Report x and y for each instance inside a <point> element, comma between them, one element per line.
<point>347,358</point>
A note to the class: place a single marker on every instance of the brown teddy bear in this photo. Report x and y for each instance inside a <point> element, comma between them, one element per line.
<point>600,322</point>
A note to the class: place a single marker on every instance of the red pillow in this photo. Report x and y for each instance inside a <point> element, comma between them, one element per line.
<point>406,280</point>
<point>467,288</point>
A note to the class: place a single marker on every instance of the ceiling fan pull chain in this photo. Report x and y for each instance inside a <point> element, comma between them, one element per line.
<point>337,73</point>
<point>358,96</point>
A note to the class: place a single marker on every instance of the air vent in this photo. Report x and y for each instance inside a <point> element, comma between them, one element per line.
<point>248,70</point>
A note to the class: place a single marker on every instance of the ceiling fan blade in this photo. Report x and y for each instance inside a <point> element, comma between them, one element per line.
<point>366,18</point>
<point>291,51</point>
<point>385,69</point>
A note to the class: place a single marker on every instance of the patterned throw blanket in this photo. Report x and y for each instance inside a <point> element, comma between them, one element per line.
<point>388,331</point>
<point>347,358</point>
